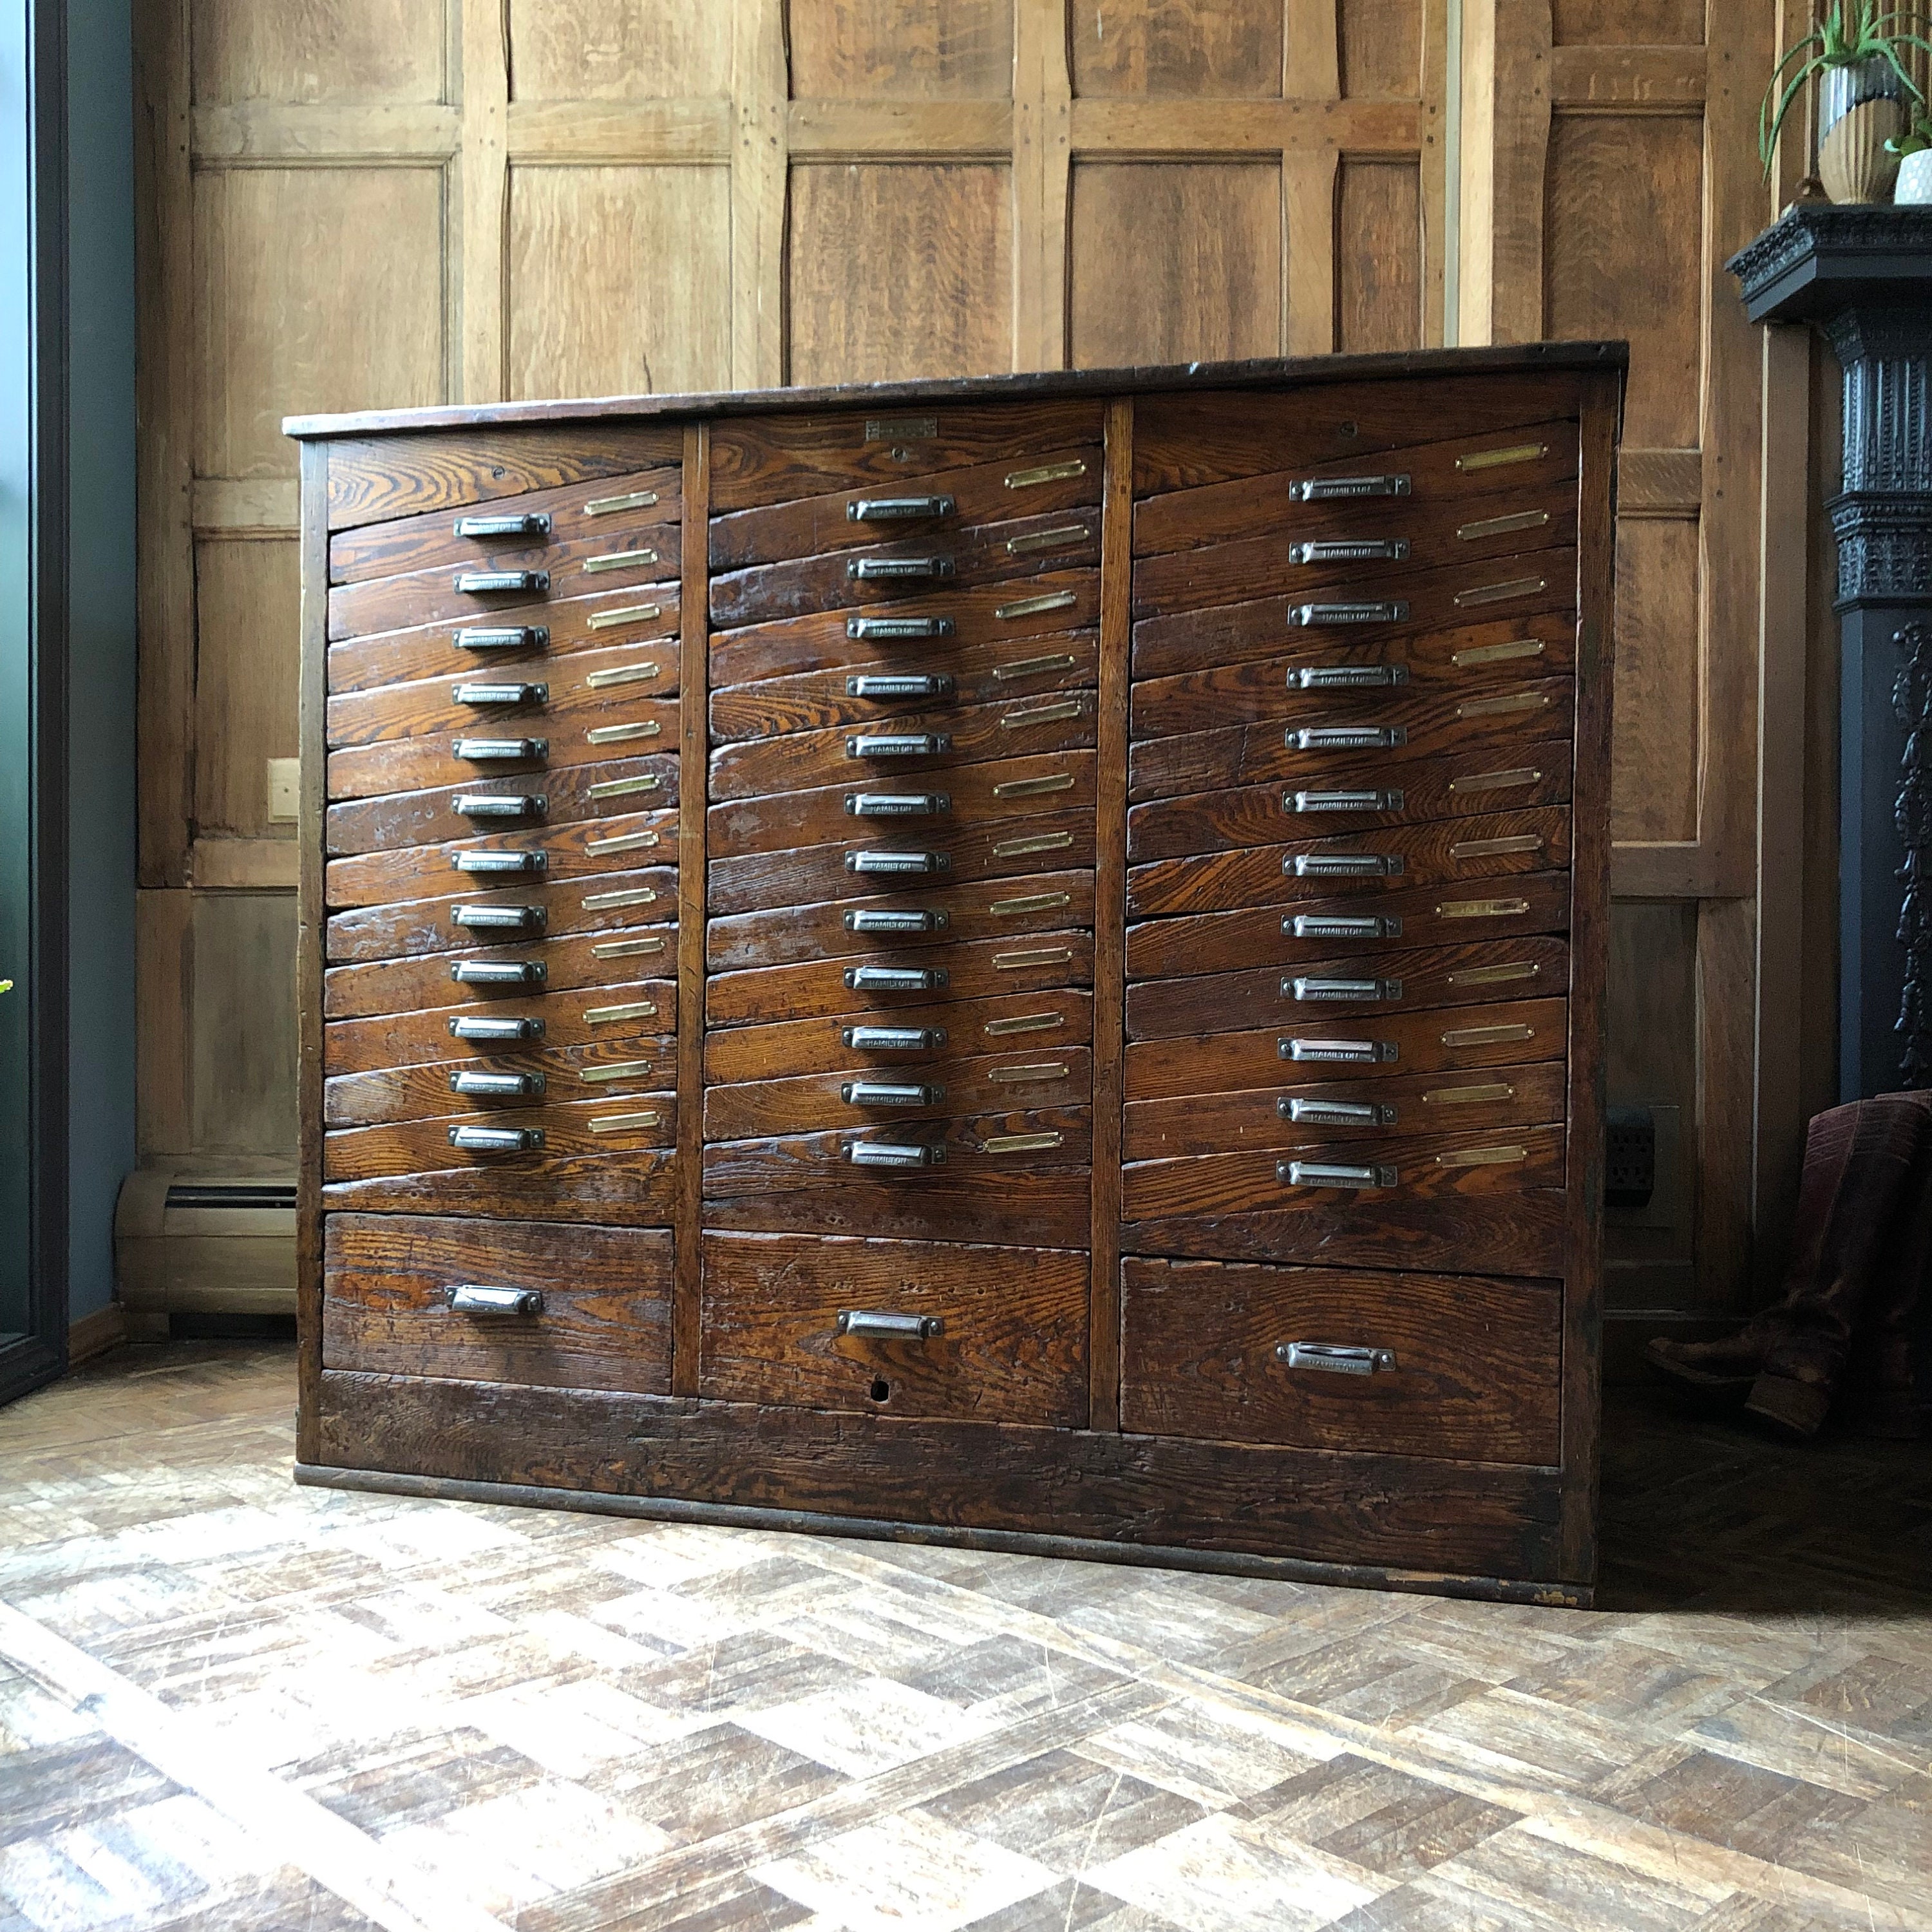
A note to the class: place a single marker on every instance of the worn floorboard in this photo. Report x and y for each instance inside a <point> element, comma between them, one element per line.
<point>225,1701</point>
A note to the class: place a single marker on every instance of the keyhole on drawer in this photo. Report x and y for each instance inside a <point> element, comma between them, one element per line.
<point>882,1389</point>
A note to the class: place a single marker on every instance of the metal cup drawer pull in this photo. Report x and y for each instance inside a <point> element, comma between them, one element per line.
<point>473,1298</point>
<point>1042,714</point>
<point>897,569</point>
<point>499,862</point>
<point>643,672</point>
<point>896,978</point>
<point>526,524</point>
<point>1066,537</point>
<point>892,1040</point>
<point>498,1031</point>
<point>1345,737</point>
<point>890,1094</point>
<point>499,694</point>
<point>1344,865</point>
<point>1347,677</point>
<point>1394,610</point>
<point>1501,593</point>
<point>498,919</point>
<point>505,638</point>
<point>497,750</point>
<point>899,745</point>
<point>1499,527</point>
<point>883,1324</point>
<point>1309,989</point>
<point>491,583</point>
<point>921,920</point>
<point>619,559</point>
<point>897,865</point>
<point>1338,1052</point>
<point>1331,1174</point>
<point>498,1086</point>
<point>1335,1358</point>
<point>1334,489</point>
<point>897,509</point>
<point>891,686</point>
<point>624,1123</point>
<point>1374,549</point>
<point>500,804</point>
<point>1327,925</point>
<point>893,1153</point>
<point>897,804</point>
<point>499,972</point>
<point>1387,800</point>
<point>1336,1113</point>
<point>1038,1143</point>
<point>1499,459</point>
<point>496,1140</point>
<point>897,630</point>
<point>634,499</point>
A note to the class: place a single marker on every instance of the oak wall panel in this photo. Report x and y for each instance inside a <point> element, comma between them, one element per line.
<point>616,49</point>
<point>1655,750</point>
<point>896,269</point>
<point>242,1060</point>
<point>1378,255</point>
<point>1629,22</point>
<point>1382,43</point>
<point>1177,48</point>
<point>902,50</point>
<point>247,596</point>
<point>309,52</point>
<point>620,280</point>
<point>1173,261</point>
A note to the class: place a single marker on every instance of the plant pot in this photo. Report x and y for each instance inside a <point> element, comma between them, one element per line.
<point>1915,179</point>
<point>1852,163</point>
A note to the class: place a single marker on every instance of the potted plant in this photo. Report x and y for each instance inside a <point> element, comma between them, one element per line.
<point>1914,150</point>
<point>1855,53</point>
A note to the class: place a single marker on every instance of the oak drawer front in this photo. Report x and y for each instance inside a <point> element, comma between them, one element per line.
<point>940,856</point>
<point>943,913</point>
<point>1537,585</point>
<point>904,680</point>
<point>886,809</point>
<point>530,801</point>
<point>859,1097</point>
<point>1464,1367</point>
<point>524,1028</point>
<point>1374,550</point>
<point>1039,1026</point>
<point>1325,500</point>
<point>1366,1111</point>
<point>584,972</point>
<point>514,1137</point>
<point>513,911</point>
<point>1309,676</point>
<point>1443,852</point>
<point>631,1190</point>
<point>1009,552</point>
<point>929,742</point>
<point>1348,796</point>
<point>521,745</point>
<point>522,640</point>
<point>554,1305</point>
<point>973,969</point>
<point>895,1328</point>
<point>1388,739</point>
<point>772,459</point>
<point>510,576</point>
<point>585,850</point>
<point>1451,1039</point>
<point>1347,985</point>
<point>518,1080</point>
<point>472,536</point>
<point>1021,617</point>
<point>575,689</point>
<point>928,503</point>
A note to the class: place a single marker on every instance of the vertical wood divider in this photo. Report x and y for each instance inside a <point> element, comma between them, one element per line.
<point>694,690</point>
<point>1041,177</point>
<point>1110,902</point>
<point>310,801</point>
<point>483,193</point>
<point>1589,929</point>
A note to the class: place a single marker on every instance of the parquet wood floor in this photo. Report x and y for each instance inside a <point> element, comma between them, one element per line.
<point>225,1701</point>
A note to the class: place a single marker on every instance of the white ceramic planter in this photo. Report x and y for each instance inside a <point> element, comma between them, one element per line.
<point>1914,186</point>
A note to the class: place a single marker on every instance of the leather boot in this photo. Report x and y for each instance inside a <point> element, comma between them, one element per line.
<point>1785,1364</point>
<point>1883,1397</point>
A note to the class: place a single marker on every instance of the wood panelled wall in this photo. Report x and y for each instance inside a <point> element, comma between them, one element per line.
<point>358,202</point>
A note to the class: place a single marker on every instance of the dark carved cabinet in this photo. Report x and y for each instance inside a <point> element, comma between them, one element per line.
<point>1016,961</point>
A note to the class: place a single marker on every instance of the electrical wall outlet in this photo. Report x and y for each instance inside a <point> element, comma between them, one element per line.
<point>284,790</point>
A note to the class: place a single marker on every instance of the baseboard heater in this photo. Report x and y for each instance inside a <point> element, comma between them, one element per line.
<point>206,1243</point>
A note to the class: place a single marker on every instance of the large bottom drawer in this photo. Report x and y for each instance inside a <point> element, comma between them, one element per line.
<point>558,1306</point>
<point>900,1328</point>
<point>1464,1367</point>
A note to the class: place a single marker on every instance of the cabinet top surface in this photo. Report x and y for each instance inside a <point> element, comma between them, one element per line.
<point>1271,372</point>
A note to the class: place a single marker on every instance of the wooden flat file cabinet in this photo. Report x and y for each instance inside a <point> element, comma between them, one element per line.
<point>1016,961</point>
